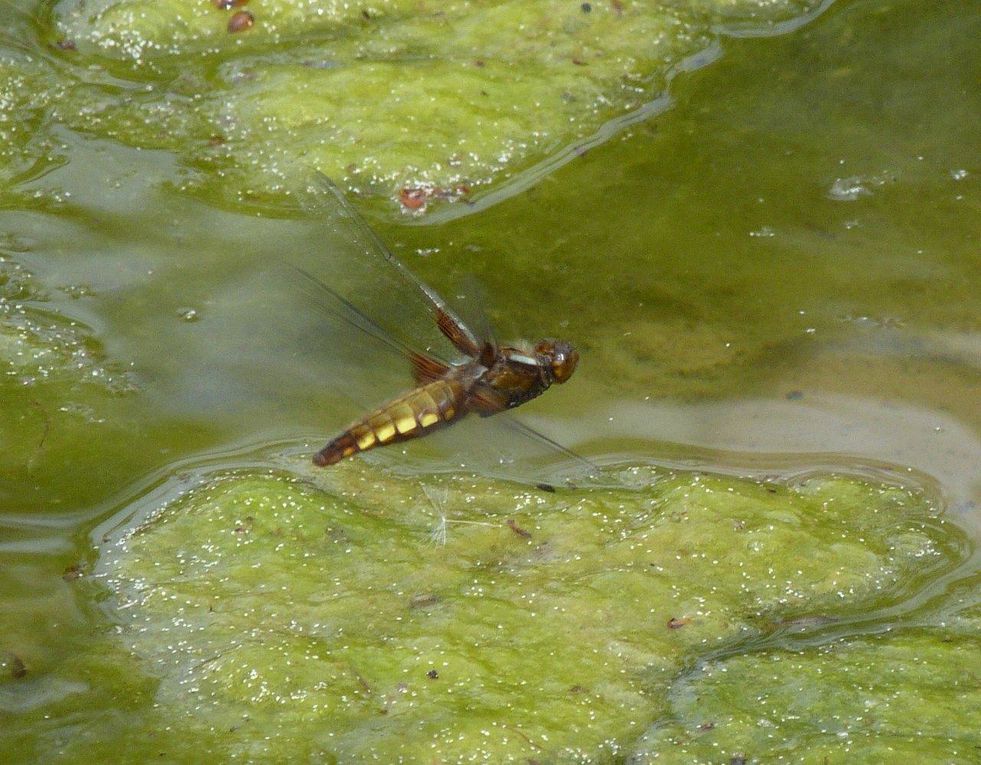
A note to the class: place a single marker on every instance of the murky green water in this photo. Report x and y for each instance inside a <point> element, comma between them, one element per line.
<point>774,286</point>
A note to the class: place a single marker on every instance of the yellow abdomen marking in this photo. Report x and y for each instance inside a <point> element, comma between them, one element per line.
<point>404,417</point>
<point>365,440</point>
<point>385,432</point>
<point>409,416</point>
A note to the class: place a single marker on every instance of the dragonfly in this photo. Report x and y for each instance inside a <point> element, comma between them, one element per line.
<point>487,378</point>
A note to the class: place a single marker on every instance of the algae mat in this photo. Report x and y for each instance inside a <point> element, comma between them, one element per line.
<point>409,99</point>
<point>356,615</point>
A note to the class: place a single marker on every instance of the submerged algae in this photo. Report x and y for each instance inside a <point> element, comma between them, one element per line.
<point>393,95</point>
<point>299,616</point>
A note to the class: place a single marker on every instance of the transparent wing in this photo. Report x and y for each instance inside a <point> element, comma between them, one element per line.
<point>371,281</point>
<point>529,432</point>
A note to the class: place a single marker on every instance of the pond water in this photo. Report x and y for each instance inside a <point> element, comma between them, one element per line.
<point>775,278</point>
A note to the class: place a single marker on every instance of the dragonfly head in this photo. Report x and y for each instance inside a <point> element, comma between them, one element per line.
<point>559,356</point>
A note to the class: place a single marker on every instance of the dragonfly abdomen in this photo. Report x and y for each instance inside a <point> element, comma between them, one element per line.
<point>414,414</point>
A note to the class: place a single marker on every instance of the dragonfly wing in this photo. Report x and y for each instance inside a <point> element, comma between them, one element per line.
<point>527,431</point>
<point>335,306</point>
<point>385,272</point>
<point>471,306</point>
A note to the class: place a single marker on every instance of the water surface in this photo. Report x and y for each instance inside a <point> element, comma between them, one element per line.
<point>777,277</point>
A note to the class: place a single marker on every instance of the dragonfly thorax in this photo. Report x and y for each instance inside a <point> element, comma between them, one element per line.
<point>518,375</point>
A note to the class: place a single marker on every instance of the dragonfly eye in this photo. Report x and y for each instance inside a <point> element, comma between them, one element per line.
<point>562,358</point>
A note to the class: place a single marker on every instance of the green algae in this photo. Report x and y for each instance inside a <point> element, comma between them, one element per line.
<point>443,98</point>
<point>73,422</point>
<point>357,615</point>
<point>915,695</point>
<point>58,391</point>
<point>55,382</point>
<point>25,93</point>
